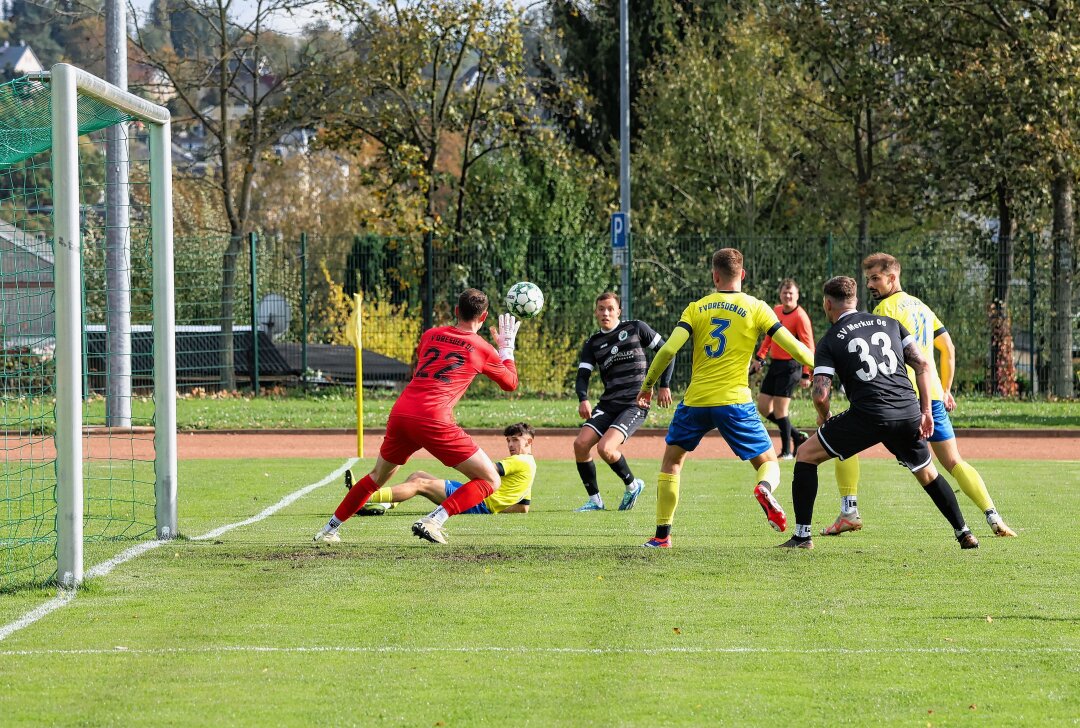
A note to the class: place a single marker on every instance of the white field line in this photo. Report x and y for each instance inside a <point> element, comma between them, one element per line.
<point>64,596</point>
<point>524,650</point>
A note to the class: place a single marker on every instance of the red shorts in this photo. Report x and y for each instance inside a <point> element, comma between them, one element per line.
<point>445,440</point>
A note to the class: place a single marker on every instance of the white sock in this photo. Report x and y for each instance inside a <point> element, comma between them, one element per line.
<point>332,524</point>
<point>992,515</point>
<point>439,515</point>
<point>802,531</point>
<point>849,503</point>
<point>597,500</point>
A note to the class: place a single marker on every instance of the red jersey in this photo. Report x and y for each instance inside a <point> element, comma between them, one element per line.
<point>448,360</point>
<point>798,323</point>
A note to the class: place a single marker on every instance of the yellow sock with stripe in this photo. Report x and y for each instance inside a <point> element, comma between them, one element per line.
<point>382,495</point>
<point>769,473</point>
<point>667,498</point>
<point>847,482</point>
<point>973,486</point>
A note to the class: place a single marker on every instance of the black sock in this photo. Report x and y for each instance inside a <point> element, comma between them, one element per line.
<point>663,531</point>
<point>622,470</point>
<point>939,491</point>
<point>587,471</point>
<point>804,492</point>
<point>784,423</point>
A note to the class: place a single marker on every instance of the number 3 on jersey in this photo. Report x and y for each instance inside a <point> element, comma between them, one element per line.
<point>860,347</point>
<point>715,351</point>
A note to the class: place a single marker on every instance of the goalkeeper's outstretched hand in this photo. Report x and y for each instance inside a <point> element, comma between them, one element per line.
<point>505,334</point>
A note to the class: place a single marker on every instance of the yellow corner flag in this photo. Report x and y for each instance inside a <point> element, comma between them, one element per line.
<point>352,335</point>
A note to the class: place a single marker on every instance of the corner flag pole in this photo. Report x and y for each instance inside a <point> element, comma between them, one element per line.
<point>353,332</point>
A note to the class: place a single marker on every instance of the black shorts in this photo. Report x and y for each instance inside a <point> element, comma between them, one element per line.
<point>849,433</point>
<point>626,420</point>
<point>781,378</point>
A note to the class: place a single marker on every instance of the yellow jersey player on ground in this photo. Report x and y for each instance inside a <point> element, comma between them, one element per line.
<point>725,327</point>
<point>517,472</point>
<point>882,273</point>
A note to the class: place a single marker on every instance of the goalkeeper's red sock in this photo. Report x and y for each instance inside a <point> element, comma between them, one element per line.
<point>467,496</point>
<point>355,499</point>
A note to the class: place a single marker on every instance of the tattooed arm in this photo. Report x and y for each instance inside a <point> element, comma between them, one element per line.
<point>822,395</point>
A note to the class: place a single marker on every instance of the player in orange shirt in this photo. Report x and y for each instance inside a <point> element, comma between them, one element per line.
<point>449,358</point>
<point>784,373</point>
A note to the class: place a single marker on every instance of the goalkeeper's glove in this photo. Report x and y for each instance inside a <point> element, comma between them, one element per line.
<point>505,334</point>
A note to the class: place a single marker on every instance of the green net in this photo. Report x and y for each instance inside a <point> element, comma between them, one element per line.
<point>118,467</point>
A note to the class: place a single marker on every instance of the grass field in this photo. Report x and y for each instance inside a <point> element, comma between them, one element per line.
<point>559,618</point>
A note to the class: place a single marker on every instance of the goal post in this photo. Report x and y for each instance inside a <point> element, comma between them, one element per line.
<point>79,104</point>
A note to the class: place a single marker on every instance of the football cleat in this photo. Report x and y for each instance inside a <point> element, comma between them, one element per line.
<point>326,536</point>
<point>844,522</point>
<point>998,526</point>
<point>630,497</point>
<point>967,540</point>
<point>798,437</point>
<point>787,456</point>
<point>773,512</point>
<point>797,543</point>
<point>589,506</point>
<point>348,480</point>
<point>658,543</point>
<point>374,509</point>
<point>429,529</point>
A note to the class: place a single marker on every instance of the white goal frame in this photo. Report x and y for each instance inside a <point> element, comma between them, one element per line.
<point>67,83</point>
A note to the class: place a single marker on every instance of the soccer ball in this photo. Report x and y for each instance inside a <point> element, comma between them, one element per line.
<point>524,299</point>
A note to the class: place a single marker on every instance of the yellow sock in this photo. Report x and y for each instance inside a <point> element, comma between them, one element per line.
<point>667,498</point>
<point>382,495</point>
<point>847,476</point>
<point>769,472</point>
<point>973,486</point>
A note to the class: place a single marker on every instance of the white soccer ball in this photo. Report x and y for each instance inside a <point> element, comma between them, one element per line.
<point>524,299</point>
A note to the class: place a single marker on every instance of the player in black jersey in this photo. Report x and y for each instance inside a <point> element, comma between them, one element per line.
<point>618,351</point>
<point>867,354</point>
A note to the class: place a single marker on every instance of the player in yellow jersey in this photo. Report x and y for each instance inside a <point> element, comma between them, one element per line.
<point>725,327</point>
<point>517,472</point>
<point>882,272</point>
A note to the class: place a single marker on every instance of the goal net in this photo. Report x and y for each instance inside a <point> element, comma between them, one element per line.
<point>87,379</point>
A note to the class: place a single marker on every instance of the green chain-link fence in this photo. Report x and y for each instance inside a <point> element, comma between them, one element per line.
<point>411,282</point>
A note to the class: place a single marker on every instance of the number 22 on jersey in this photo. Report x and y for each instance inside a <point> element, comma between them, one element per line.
<point>873,366</point>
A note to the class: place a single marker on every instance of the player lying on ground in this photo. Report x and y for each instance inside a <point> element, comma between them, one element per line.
<point>514,495</point>
<point>448,359</point>
<point>725,326</point>
<point>882,273</point>
<point>618,351</point>
<point>864,352</point>
<point>784,373</point>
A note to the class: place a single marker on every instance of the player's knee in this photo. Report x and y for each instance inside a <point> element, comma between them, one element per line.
<point>608,451</point>
<point>581,449</point>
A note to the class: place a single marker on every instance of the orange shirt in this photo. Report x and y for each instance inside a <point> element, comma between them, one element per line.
<point>798,323</point>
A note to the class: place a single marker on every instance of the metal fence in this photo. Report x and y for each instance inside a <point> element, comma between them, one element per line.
<point>299,302</point>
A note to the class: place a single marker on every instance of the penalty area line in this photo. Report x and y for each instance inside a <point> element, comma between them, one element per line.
<point>524,650</point>
<point>66,596</point>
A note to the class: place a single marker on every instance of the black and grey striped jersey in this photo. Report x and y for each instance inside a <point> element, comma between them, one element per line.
<point>619,355</point>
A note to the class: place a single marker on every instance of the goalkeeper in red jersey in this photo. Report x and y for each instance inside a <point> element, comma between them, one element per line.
<point>449,358</point>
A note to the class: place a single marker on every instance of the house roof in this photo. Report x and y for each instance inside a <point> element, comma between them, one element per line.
<point>32,244</point>
<point>20,57</point>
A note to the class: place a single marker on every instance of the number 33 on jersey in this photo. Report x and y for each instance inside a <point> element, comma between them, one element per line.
<point>866,353</point>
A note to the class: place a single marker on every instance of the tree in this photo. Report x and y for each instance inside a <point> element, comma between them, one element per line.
<point>225,85</point>
<point>436,86</point>
<point>714,153</point>
<point>847,115</point>
<point>992,92</point>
